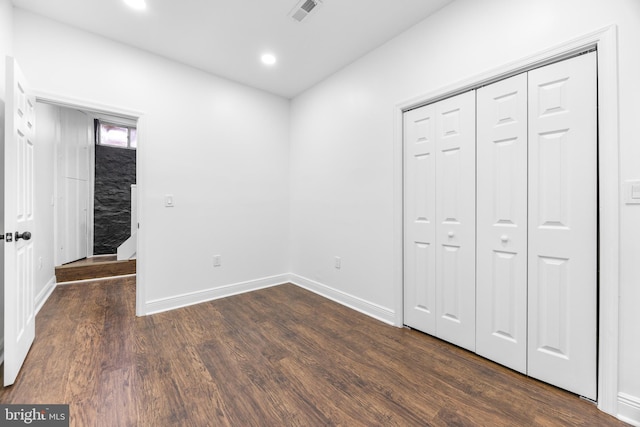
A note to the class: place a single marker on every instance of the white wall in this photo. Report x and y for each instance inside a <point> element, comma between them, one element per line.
<point>343,128</point>
<point>47,122</point>
<point>220,148</point>
<point>6,38</point>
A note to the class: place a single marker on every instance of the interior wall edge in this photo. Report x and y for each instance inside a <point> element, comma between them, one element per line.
<point>198,297</point>
<point>370,309</point>
<point>45,293</point>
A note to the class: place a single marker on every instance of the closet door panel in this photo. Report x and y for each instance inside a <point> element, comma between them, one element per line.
<point>501,282</point>
<point>455,219</point>
<point>563,224</point>
<point>419,219</point>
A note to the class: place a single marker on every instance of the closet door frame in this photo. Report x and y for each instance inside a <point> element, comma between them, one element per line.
<point>605,42</point>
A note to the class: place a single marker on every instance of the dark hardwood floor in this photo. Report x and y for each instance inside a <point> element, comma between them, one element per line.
<point>276,357</point>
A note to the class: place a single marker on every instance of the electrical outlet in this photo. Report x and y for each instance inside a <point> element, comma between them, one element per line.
<point>217,261</point>
<point>337,262</point>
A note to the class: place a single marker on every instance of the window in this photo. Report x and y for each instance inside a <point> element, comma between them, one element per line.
<point>120,136</point>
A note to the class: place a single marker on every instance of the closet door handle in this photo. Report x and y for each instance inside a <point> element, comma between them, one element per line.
<point>450,234</point>
<point>504,238</point>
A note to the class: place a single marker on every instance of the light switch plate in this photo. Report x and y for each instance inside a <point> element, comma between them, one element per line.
<point>168,200</point>
<point>632,192</point>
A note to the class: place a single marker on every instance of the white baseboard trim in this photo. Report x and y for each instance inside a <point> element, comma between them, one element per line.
<point>370,309</point>
<point>184,300</point>
<point>380,313</point>
<point>629,409</point>
<point>45,293</point>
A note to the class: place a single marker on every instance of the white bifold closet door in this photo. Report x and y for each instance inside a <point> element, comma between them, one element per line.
<point>440,219</point>
<point>419,219</point>
<point>563,224</point>
<point>537,224</point>
<point>534,290</point>
<point>456,220</point>
<point>501,330</point>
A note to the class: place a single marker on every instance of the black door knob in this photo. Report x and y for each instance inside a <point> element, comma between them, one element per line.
<point>26,235</point>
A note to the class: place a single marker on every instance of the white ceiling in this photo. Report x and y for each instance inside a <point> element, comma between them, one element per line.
<point>227,37</point>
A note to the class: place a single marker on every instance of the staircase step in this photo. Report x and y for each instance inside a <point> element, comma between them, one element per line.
<point>95,270</point>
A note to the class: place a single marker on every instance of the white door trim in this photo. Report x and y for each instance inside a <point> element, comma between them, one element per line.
<point>91,193</point>
<point>605,41</point>
<point>83,104</point>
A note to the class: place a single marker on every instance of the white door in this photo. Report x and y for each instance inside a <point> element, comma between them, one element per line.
<point>501,253</point>
<point>563,224</point>
<point>19,310</point>
<point>73,184</point>
<point>455,138</point>
<point>419,219</point>
<point>74,239</point>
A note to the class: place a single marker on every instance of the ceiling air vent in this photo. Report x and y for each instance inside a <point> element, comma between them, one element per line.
<point>303,9</point>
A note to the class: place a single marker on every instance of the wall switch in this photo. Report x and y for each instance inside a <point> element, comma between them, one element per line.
<point>632,192</point>
<point>168,200</point>
<point>337,262</point>
<point>217,262</point>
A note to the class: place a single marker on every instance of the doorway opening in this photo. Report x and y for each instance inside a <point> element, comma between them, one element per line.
<point>94,193</point>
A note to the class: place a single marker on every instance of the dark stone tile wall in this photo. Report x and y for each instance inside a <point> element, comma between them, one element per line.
<point>115,172</point>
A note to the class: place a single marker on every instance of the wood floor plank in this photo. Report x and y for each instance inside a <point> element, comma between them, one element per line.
<point>93,269</point>
<point>279,356</point>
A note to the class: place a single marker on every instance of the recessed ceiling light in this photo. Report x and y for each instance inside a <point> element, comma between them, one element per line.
<point>136,4</point>
<point>268,59</point>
